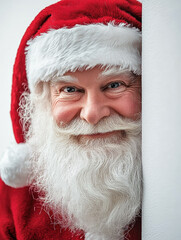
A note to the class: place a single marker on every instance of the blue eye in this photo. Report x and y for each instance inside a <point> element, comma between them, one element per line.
<point>70,89</point>
<point>114,85</point>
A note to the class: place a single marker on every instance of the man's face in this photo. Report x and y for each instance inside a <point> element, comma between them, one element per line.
<point>87,159</point>
<point>92,95</point>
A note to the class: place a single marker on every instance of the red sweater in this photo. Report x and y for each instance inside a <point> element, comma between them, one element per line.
<point>22,218</point>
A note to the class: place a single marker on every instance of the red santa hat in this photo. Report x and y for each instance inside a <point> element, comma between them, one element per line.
<point>67,36</point>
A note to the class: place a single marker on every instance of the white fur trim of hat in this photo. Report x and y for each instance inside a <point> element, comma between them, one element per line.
<point>60,50</point>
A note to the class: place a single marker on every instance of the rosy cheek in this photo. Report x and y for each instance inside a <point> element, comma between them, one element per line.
<point>134,108</point>
<point>129,106</point>
<point>63,113</point>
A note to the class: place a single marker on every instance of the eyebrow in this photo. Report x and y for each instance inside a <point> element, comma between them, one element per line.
<point>110,73</point>
<point>64,79</point>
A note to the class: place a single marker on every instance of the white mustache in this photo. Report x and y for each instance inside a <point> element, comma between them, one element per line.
<point>108,124</point>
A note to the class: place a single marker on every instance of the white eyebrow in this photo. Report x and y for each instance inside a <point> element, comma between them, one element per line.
<point>112,72</point>
<point>65,79</point>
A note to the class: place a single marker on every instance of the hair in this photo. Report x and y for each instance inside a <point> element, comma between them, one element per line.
<point>28,102</point>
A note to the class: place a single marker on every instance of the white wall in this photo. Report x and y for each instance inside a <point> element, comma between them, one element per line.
<point>161,119</point>
<point>15,16</point>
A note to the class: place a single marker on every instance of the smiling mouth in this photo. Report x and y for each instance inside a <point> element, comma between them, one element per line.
<point>103,135</point>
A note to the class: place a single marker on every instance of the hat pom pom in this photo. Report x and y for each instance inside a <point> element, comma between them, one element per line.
<point>15,165</point>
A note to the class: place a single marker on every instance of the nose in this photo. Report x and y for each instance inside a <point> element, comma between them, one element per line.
<point>94,109</point>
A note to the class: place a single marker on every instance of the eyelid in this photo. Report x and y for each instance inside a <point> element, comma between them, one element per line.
<point>114,81</point>
<point>77,89</point>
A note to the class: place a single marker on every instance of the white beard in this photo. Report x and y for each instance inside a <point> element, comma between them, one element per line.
<point>94,185</point>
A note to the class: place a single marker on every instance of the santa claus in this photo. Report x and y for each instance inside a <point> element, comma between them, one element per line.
<point>76,102</point>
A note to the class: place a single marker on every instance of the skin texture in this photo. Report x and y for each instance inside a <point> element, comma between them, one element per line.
<point>92,96</point>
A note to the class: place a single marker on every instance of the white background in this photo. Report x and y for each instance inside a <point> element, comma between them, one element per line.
<point>161,120</point>
<point>15,17</point>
